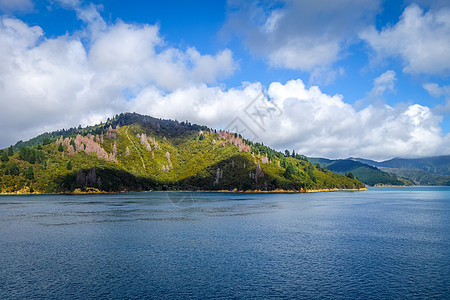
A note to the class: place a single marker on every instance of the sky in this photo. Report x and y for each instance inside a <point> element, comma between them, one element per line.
<point>335,79</point>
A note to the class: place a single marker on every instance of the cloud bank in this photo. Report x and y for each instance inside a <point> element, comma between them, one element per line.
<point>83,78</point>
<point>46,83</point>
<point>300,35</point>
<point>421,40</point>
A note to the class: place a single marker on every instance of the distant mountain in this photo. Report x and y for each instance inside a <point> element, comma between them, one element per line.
<point>420,177</point>
<point>422,171</point>
<point>369,162</point>
<point>132,152</point>
<point>368,174</point>
<point>434,165</point>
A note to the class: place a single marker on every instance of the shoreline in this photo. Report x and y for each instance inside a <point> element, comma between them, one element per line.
<point>281,191</point>
<point>277,191</point>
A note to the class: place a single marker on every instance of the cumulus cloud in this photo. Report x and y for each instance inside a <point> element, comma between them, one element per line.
<point>301,35</point>
<point>336,129</point>
<point>307,120</point>
<point>51,83</point>
<point>420,39</point>
<point>126,53</point>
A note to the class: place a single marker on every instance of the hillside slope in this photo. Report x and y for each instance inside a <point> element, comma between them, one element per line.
<point>422,171</point>
<point>420,177</point>
<point>132,152</point>
<point>368,174</point>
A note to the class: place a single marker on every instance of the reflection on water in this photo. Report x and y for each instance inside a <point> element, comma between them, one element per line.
<point>383,243</point>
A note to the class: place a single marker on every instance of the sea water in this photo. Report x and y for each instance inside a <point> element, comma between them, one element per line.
<point>384,243</point>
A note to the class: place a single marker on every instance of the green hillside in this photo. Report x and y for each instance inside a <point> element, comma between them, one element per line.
<point>132,152</point>
<point>369,175</point>
<point>420,177</point>
<point>422,171</point>
<point>435,165</point>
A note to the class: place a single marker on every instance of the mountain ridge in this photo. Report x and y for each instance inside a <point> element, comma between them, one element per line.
<point>432,164</point>
<point>432,170</point>
<point>369,175</point>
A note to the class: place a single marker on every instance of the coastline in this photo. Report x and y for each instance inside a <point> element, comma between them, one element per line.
<point>281,191</point>
<point>93,191</point>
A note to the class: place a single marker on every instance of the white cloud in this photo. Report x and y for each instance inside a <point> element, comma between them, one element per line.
<point>126,53</point>
<point>311,122</point>
<point>421,40</point>
<point>385,82</point>
<point>324,76</point>
<point>53,83</point>
<point>336,129</point>
<point>301,35</point>
<point>69,3</point>
<point>91,16</point>
<point>437,91</point>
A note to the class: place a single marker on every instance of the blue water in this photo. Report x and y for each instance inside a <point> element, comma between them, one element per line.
<point>385,243</point>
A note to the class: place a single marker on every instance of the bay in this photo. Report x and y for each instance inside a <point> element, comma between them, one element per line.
<point>383,243</point>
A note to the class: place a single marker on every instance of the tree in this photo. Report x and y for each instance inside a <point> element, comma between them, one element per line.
<point>29,154</point>
<point>60,148</point>
<point>202,137</point>
<point>4,156</point>
<point>39,156</point>
<point>69,165</point>
<point>283,163</point>
<point>46,141</point>
<point>350,175</point>
<point>10,151</point>
<point>28,173</point>
<point>286,153</point>
<point>14,169</point>
<point>310,172</point>
<point>290,170</point>
<point>293,153</point>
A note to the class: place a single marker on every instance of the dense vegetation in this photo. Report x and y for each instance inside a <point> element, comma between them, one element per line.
<point>131,152</point>
<point>167,128</point>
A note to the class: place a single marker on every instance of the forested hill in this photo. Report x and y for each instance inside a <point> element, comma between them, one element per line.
<point>132,152</point>
<point>156,126</point>
<point>434,164</point>
<point>368,174</point>
<point>433,170</point>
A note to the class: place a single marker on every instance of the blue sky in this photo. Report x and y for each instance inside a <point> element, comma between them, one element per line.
<point>337,78</point>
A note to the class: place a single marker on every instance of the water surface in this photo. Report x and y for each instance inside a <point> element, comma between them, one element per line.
<point>383,243</point>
